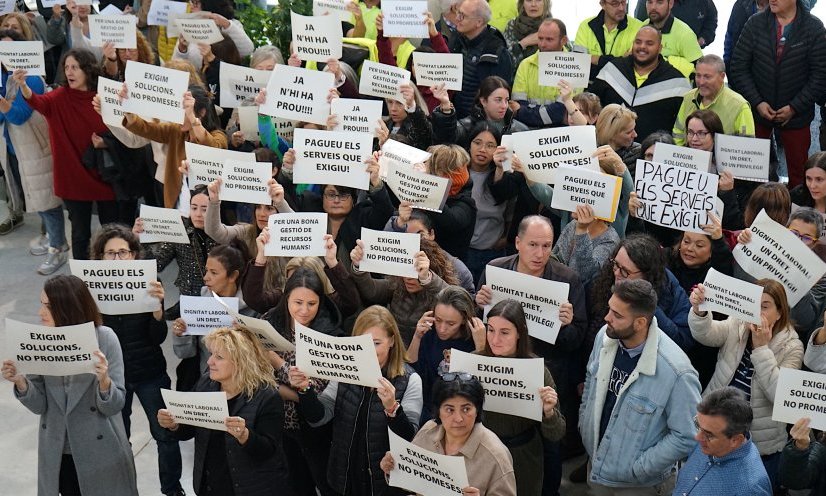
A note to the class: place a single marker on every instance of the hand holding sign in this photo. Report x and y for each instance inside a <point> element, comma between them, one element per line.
<point>10,374</point>
<point>801,433</point>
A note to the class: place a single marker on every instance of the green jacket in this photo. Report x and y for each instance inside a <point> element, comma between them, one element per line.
<point>734,111</point>
<point>593,36</point>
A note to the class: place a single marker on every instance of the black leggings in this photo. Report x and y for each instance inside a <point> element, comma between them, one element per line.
<point>80,215</point>
<point>67,483</point>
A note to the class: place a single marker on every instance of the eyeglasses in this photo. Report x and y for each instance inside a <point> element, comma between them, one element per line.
<point>452,376</point>
<point>487,145</point>
<point>460,16</point>
<point>709,437</point>
<point>336,196</point>
<point>622,270</point>
<point>699,134</point>
<point>804,237</point>
<point>120,254</point>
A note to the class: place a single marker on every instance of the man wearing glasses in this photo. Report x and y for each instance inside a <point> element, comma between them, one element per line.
<point>607,35</point>
<point>725,460</point>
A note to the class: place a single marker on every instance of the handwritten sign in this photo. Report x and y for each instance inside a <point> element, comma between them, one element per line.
<point>57,351</point>
<point>202,314</point>
<point>572,67</point>
<point>246,182</point>
<point>111,108</point>
<point>343,359</point>
<point>746,158</point>
<point>544,150</point>
<point>425,472</point>
<point>300,94</point>
<point>434,68</point>
<point>159,11</point>
<point>162,225</point>
<point>332,157</point>
<point>732,296</point>
<point>119,286</point>
<point>206,163</point>
<point>580,186</point>
<point>296,235</point>
<point>240,85</point>
<point>356,115</point>
<point>316,38</point>
<point>25,55</point>
<point>389,253</point>
<point>382,80</point>
<point>400,155</point>
<point>201,409</point>
<point>248,122</point>
<point>337,8</point>
<point>155,92</point>
<point>674,196</point>
<point>116,29</point>
<point>540,298</point>
<point>683,156</point>
<point>800,394</point>
<point>199,30</point>
<point>775,253</point>
<point>424,191</point>
<point>511,384</point>
<point>404,18</point>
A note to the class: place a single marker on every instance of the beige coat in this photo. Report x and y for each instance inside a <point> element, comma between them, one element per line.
<point>784,350</point>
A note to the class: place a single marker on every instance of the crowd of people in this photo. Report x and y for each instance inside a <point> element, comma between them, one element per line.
<point>661,395</point>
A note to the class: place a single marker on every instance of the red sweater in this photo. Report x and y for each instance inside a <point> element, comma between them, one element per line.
<point>72,120</point>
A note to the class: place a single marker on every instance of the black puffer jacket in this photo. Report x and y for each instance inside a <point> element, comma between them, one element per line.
<point>454,226</point>
<point>416,127</point>
<point>140,337</point>
<point>799,79</point>
<point>449,129</point>
<point>483,56</point>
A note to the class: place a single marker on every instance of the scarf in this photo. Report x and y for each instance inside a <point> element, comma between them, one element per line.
<point>458,179</point>
<point>524,25</point>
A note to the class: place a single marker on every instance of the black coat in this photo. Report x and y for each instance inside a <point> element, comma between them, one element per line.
<point>483,56</point>
<point>140,337</point>
<point>454,226</point>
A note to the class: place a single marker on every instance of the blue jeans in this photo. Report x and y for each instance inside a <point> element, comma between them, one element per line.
<point>169,454</point>
<point>476,260</point>
<point>55,226</point>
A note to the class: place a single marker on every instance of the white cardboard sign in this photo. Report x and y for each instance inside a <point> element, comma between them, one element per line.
<point>316,38</point>
<point>299,94</point>
<point>296,235</point>
<point>270,339</point>
<point>336,8</point>
<point>117,29</point>
<point>284,127</point>
<point>57,351</point>
<point>511,384</point>
<point>160,10</point>
<point>162,225</point>
<point>540,298</point>
<point>201,409</point>
<point>424,191</point>
<point>7,6</point>
<point>389,253</point>
<point>206,163</point>
<point>332,157</point>
<point>202,314</point>
<point>675,197</point>
<point>405,18</point>
<point>401,155</point>
<point>119,286</point>
<point>775,253</point>
<point>155,92</point>
<point>199,30</point>
<point>507,142</point>
<point>800,394</point>
<point>382,80</point>
<point>746,158</point>
<point>246,182</point>
<point>732,296</point>
<point>111,108</point>
<point>240,85</point>
<point>683,156</point>
<point>581,186</point>
<point>542,151</point>
<point>248,122</point>
<point>434,68</point>
<point>110,10</point>
<point>349,359</point>
<point>574,68</point>
<point>26,55</point>
<point>356,115</point>
<point>51,3</point>
<point>425,472</point>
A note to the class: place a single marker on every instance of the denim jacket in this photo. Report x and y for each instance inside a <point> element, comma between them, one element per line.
<point>651,426</point>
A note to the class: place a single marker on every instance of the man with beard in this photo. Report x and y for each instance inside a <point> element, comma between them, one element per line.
<point>680,45</point>
<point>607,35</point>
<point>636,418</point>
<point>645,83</point>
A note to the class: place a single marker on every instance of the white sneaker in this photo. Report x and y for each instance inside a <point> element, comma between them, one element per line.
<point>40,245</point>
<point>54,260</point>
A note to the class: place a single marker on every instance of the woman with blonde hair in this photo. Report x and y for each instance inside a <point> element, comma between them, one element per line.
<point>247,458</point>
<point>616,126</point>
<point>395,403</point>
<point>17,21</point>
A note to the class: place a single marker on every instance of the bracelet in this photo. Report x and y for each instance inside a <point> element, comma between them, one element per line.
<point>305,390</point>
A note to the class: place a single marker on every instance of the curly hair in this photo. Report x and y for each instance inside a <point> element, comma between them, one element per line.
<point>111,231</point>
<point>252,367</point>
<point>440,264</point>
<point>87,62</point>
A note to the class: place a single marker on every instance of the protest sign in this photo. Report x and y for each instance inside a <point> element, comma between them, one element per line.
<point>425,472</point>
<point>159,11</point>
<point>270,339</point>
<point>674,196</point>
<point>116,29</point>
<point>507,142</point>
<point>746,158</point>
<point>25,55</point>
<point>284,127</point>
<point>206,163</point>
<point>201,409</point>
<point>299,94</point>
<point>775,253</point>
<point>155,92</point>
<point>336,8</point>
<point>162,225</point>
<point>683,156</point>
<point>203,314</point>
<point>172,30</point>
<point>581,186</point>
<point>800,394</point>
<point>511,384</point>
<point>389,253</point>
<point>119,286</point>
<point>382,80</point>
<point>48,4</point>
<point>332,157</point>
<point>424,191</point>
<point>197,31</point>
<point>7,6</point>
<point>356,115</point>
<point>542,151</point>
<point>349,359</point>
<point>316,38</point>
<point>296,235</point>
<point>246,182</point>
<point>401,155</point>
<point>111,108</point>
<point>111,10</point>
<point>239,84</point>
<point>404,18</point>
<point>435,68</point>
<point>540,298</point>
<point>248,122</point>
<point>58,351</point>
<point>574,68</point>
<point>731,296</point>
